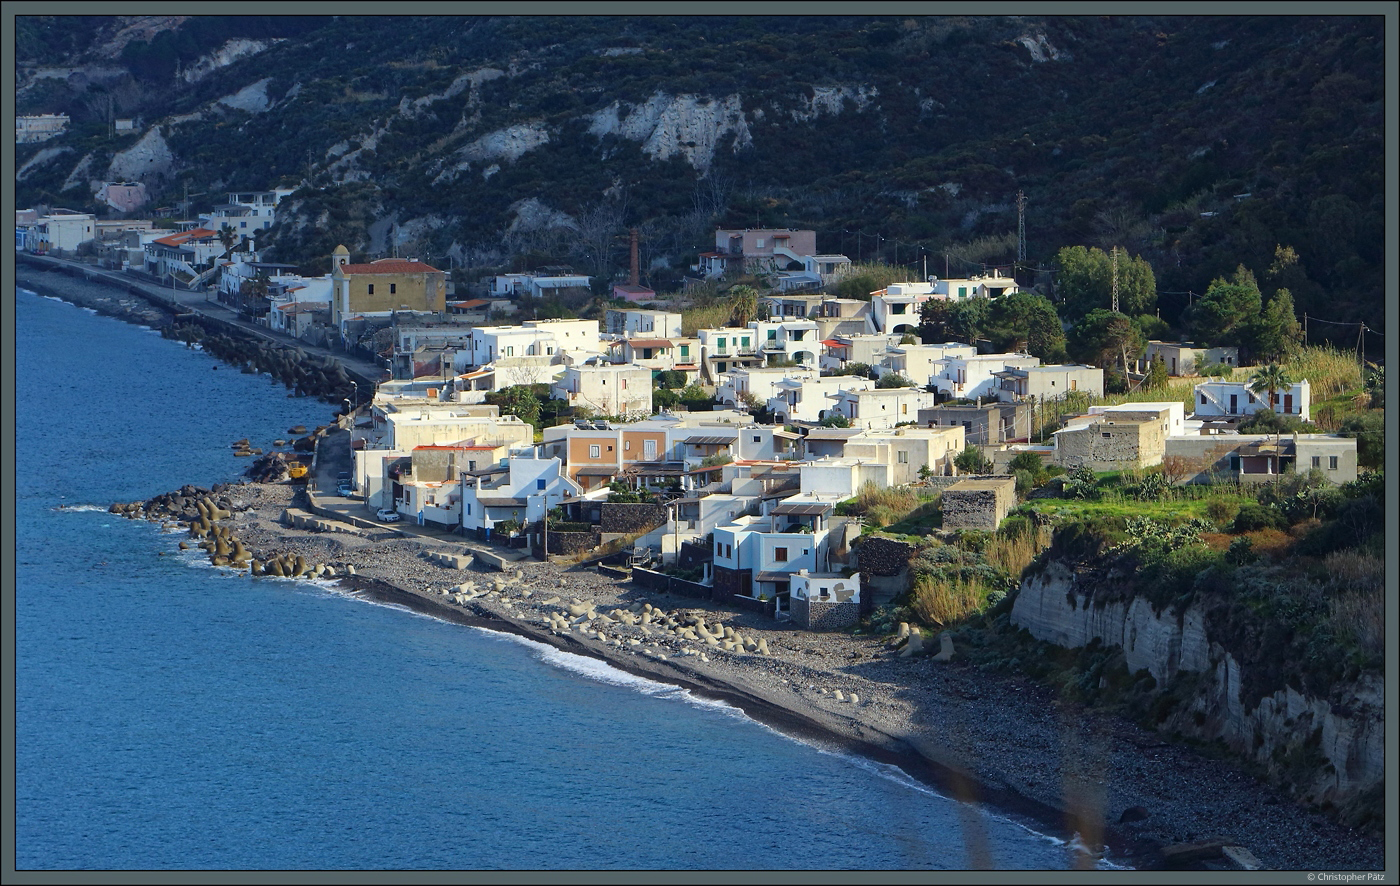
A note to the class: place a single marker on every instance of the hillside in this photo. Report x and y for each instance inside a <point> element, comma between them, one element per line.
<point>1198,143</point>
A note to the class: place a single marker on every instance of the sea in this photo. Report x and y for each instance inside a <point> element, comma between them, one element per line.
<point>170,715</point>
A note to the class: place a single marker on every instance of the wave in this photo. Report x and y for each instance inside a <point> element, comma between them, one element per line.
<point>86,509</point>
<point>604,672</point>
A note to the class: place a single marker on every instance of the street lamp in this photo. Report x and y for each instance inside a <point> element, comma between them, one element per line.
<point>356,393</point>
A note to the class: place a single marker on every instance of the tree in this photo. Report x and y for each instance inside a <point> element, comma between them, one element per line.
<point>972,461</point>
<point>1026,321</point>
<point>1276,334</point>
<point>1085,282</point>
<point>908,339</point>
<point>743,305</point>
<point>517,400</point>
<point>1103,338</point>
<point>1157,376</point>
<point>835,420</point>
<point>893,380</point>
<point>1369,431</point>
<point>1270,380</point>
<point>227,238</point>
<point>1224,315</point>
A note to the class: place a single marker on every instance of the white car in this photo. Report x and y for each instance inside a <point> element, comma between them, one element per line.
<point>387,515</point>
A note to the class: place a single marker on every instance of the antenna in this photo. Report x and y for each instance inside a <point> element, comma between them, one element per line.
<point>1020,226</point>
<point>1115,279</point>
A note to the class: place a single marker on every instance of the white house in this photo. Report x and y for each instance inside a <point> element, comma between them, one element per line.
<point>759,381</point>
<point>61,231</point>
<point>1047,382</point>
<point>920,363</point>
<point>755,556</point>
<point>793,340</point>
<point>975,376</point>
<point>524,493</point>
<point>1218,398</point>
<point>869,349</point>
<point>896,309</point>
<point>807,399</point>
<point>629,322</point>
<point>881,407</point>
<point>609,388</point>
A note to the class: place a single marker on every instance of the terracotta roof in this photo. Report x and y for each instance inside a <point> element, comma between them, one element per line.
<point>390,266</point>
<point>186,236</point>
<point>833,343</point>
<point>648,343</point>
<point>474,303</point>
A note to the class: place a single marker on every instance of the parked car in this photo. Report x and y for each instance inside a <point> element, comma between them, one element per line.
<point>343,488</point>
<point>387,515</point>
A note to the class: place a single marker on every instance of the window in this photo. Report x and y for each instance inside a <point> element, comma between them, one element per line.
<point>772,335</point>
<point>1203,399</point>
<point>962,292</point>
<point>469,510</point>
<point>510,351</point>
<point>471,465</point>
<point>393,288</point>
<point>685,350</point>
<point>624,384</point>
<point>903,457</point>
<point>1235,463</point>
<point>780,555</point>
<point>757,438</point>
<point>627,446</point>
<point>1332,462</point>
<point>744,342</point>
<point>1317,461</point>
<point>371,289</point>
<point>758,244</point>
<point>539,483</point>
<point>594,451</point>
<point>243,224</point>
<point>1106,435</point>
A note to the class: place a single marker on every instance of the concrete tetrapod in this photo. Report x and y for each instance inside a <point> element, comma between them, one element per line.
<point>915,646</point>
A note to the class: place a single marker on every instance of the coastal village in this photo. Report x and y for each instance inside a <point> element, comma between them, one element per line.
<point>735,493</point>
<point>754,467</point>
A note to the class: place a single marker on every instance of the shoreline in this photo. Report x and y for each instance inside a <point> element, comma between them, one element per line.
<point>807,726</point>
<point>1004,743</point>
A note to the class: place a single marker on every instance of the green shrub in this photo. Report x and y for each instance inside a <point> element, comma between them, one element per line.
<point>1222,510</point>
<point>1253,516</point>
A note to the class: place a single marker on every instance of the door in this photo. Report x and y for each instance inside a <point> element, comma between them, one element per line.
<point>649,450</point>
<point>1234,404</point>
<point>1288,403</point>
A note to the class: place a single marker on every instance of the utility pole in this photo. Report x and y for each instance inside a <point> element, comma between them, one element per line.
<point>1115,279</point>
<point>1020,226</point>
<point>1305,329</point>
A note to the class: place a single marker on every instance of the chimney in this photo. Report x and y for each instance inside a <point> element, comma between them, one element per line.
<point>634,278</point>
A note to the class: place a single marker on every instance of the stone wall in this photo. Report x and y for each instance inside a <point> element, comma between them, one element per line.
<point>694,556</point>
<point>817,616</point>
<point>1119,445</point>
<point>629,517</point>
<point>670,584</point>
<point>574,542</point>
<point>730,582</point>
<point>978,504</point>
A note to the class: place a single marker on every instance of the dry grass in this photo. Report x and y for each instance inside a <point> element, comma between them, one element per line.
<point>901,499</point>
<point>1012,555</point>
<point>943,602</point>
<point>709,316</point>
<point>1329,371</point>
<point>1357,582</point>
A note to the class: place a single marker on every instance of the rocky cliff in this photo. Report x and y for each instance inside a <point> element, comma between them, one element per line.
<point>1327,750</point>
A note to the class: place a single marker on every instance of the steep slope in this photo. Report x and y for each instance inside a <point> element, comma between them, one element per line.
<point>1200,143</point>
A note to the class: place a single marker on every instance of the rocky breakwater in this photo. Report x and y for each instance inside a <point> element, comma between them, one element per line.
<point>1327,749</point>
<point>204,513</point>
<point>307,375</point>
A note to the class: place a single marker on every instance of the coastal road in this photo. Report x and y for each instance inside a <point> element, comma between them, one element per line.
<point>200,302</point>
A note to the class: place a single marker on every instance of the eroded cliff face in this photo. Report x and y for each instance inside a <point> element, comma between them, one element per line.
<point>1327,750</point>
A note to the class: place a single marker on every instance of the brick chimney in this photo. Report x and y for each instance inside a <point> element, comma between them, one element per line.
<point>635,275</point>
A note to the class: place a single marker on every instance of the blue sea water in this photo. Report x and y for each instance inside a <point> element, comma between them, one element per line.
<point>173,716</point>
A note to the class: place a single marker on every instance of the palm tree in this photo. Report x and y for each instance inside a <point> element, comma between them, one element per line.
<point>1270,380</point>
<point>743,305</point>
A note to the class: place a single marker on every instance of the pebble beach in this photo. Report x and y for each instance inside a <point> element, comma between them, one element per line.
<point>1010,744</point>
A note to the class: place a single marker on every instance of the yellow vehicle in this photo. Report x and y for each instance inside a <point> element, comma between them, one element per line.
<point>296,470</point>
